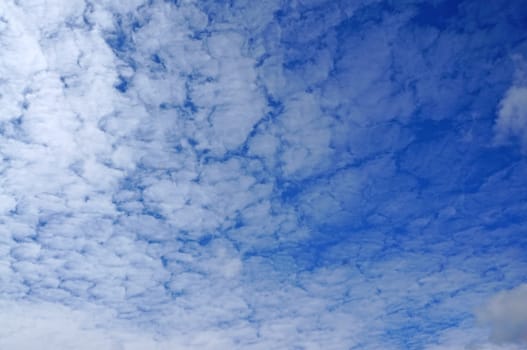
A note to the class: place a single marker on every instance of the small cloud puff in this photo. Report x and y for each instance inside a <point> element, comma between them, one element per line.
<point>512,114</point>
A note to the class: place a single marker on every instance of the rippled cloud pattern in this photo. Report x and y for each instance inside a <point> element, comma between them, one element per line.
<point>274,174</point>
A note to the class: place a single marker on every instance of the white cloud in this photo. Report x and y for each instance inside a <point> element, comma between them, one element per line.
<point>30,326</point>
<point>501,325</point>
<point>512,114</point>
<point>506,315</point>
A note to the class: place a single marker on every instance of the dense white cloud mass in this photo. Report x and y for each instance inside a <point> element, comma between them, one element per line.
<point>506,314</point>
<point>59,328</point>
<point>304,174</point>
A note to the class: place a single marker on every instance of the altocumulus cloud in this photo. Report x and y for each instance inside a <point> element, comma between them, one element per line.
<point>262,174</point>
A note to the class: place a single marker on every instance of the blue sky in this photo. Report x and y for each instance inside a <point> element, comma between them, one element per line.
<point>302,174</point>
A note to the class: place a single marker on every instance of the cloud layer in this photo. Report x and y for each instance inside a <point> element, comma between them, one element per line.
<point>255,175</point>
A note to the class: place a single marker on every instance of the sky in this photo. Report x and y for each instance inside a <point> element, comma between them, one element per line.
<point>272,174</point>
